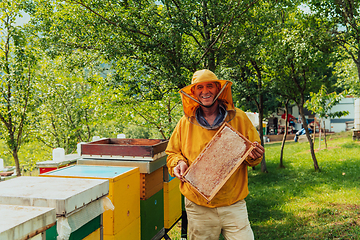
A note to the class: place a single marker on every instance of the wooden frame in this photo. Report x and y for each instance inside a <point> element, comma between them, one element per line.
<point>130,149</point>
<point>218,161</point>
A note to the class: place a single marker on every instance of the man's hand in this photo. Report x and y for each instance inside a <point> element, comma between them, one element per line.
<point>180,169</point>
<point>258,151</point>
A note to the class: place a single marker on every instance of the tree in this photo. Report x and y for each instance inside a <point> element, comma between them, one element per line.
<point>250,86</point>
<point>18,62</point>
<point>321,103</point>
<point>169,36</point>
<point>286,103</point>
<point>248,47</point>
<point>348,78</point>
<point>344,17</point>
<point>73,104</point>
<point>245,61</point>
<point>300,63</point>
<point>145,99</point>
<point>169,39</point>
<point>160,114</point>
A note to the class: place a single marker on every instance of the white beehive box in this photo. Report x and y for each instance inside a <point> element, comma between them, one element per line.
<point>76,201</point>
<point>65,195</point>
<point>23,222</point>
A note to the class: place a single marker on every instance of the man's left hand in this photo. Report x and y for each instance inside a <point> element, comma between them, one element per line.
<point>258,151</point>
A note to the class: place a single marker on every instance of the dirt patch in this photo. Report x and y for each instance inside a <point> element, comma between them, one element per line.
<point>355,223</point>
<point>343,206</point>
<point>328,148</point>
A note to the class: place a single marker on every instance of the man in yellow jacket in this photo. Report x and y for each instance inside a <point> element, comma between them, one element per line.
<point>207,104</point>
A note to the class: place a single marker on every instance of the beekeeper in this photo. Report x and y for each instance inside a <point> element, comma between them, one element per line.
<point>207,104</point>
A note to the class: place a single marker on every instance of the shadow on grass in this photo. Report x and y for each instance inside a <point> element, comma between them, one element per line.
<point>321,224</point>
<point>271,196</point>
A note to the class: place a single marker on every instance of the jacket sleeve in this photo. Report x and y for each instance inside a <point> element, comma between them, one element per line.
<point>253,162</point>
<point>173,150</point>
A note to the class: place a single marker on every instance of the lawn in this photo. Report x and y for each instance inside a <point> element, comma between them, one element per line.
<point>299,203</point>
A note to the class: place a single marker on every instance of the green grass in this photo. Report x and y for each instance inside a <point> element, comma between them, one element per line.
<point>299,203</point>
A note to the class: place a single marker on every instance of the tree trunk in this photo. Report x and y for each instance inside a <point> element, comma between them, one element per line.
<point>17,164</point>
<point>316,165</point>
<point>263,165</point>
<point>260,107</point>
<point>320,133</point>
<point>314,131</point>
<point>261,134</point>
<point>285,135</point>
<point>325,136</point>
<point>281,165</point>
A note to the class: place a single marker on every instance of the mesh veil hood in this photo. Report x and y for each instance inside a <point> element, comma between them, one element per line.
<point>191,103</point>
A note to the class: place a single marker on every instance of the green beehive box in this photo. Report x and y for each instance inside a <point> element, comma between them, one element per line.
<point>152,216</point>
<point>81,233</point>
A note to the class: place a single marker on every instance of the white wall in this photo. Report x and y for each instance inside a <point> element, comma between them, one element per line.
<point>338,124</point>
<point>335,124</point>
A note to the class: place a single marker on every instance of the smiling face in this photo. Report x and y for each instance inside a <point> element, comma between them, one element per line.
<point>206,92</point>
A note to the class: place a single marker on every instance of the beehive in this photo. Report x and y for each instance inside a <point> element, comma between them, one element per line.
<point>151,183</point>
<point>50,165</point>
<point>130,232</point>
<point>78,203</point>
<point>172,202</point>
<point>23,222</point>
<point>144,166</point>
<point>123,192</point>
<point>127,149</point>
<point>152,216</point>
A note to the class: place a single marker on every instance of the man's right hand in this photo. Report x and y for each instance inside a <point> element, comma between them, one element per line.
<point>180,169</point>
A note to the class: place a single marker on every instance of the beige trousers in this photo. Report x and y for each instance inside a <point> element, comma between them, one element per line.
<point>207,223</point>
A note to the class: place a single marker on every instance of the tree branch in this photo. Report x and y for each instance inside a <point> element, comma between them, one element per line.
<point>106,19</point>
<point>152,122</point>
<point>225,29</point>
<point>23,116</point>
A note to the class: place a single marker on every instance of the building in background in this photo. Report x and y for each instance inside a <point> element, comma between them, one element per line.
<point>345,123</point>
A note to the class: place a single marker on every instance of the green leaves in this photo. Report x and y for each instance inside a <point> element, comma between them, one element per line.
<point>72,103</point>
<point>322,102</point>
<point>344,17</point>
<point>18,63</point>
<point>148,99</point>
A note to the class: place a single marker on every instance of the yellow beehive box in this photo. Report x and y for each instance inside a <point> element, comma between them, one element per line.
<point>131,232</point>
<point>172,202</point>
<point>96,235</point>
<point>124,192</point>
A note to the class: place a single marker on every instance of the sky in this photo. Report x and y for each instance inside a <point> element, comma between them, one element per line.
<point>305,8</point>
<point>24,19</point>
